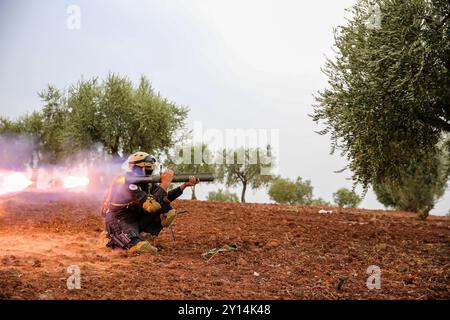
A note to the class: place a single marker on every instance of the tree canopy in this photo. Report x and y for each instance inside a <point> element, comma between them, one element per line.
<point>388,100</point>
<point>189,163</point>
<point>346,198</point>
<point>249,167</point>
<point>421,185</point>
<point>286,191</point>
<point>299,191</point>
<point>222,195</point>
<point>112,115</point>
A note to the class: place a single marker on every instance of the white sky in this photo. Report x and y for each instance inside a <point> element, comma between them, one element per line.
<point>236,64</point>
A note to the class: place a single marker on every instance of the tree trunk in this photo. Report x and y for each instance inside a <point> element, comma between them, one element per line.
<point>244,188</point>
<point>115,149</point>
<point>193,197</point>
<point>115,153</point>
<point>423,214</point>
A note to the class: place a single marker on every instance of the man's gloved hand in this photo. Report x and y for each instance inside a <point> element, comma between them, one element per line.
<point>166,179</point>
<point>167,218</point>
<point>192,182</point>
<point>151,205</point>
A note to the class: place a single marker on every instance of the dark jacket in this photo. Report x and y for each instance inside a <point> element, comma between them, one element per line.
<point>126,198</point>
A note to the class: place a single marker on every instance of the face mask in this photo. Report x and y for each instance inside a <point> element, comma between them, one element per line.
<point>138,171</point>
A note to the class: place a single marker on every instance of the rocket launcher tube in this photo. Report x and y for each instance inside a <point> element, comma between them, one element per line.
<point>183,177</point>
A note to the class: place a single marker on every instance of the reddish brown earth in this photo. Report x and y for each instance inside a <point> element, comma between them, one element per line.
<point>283,252</point>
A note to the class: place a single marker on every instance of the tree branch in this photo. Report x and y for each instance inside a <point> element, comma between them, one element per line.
<point>438,123</point>
<point>444,20</point>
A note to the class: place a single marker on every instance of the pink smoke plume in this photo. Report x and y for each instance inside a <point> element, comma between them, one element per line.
<point>21,171</point>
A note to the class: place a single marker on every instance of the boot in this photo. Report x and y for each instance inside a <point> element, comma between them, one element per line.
<point>142,247</point>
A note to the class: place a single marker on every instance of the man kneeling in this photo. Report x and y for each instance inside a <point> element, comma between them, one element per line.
<point>133,208</point>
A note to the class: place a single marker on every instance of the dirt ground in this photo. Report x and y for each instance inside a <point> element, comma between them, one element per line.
<point>272,252</point>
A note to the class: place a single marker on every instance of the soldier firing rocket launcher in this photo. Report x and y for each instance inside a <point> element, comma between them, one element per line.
<point>138,203</point>
<point>182,177</point>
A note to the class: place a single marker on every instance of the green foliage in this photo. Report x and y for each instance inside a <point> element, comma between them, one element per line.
<point>122,118</point>
<point>29,124</point>
<point>385,194</point>
<point>53,116</point>
<point>299,192</point>
<point>83,123</point>
<point>283,191</point>
<point>221,195</point>
<point>389,88</point>
<point>419,187</point>
<point>346,198</point>
<point>9,127</point>
<point>111,114</point>
<point>189,163</point>
<point>320,202</point>
<point>155,114</point>
<point>304,191</point>
<point>249,167</point>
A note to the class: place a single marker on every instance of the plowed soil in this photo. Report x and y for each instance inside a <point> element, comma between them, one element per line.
<point>270,252</point>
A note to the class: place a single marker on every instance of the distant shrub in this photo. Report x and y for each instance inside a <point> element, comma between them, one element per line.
<point>346,198</point>
<point>286,191</point>
<point>221,195</point>
<point>320,202</point>
<point>420,186</point>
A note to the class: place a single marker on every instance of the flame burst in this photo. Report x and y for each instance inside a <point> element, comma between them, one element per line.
<point>11,182</point>
<point>71,182</point>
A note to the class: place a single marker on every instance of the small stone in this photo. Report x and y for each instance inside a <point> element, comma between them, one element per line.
<point>37,264</point>
<point>402,268</point>
<point>273,244</point>
<point>256,274</point>
<point>9,260</point>
<point>381,246</point>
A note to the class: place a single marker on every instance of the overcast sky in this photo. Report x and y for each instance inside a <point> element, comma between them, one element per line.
<point>235,64</point>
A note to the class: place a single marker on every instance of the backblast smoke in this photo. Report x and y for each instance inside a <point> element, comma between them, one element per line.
<point>21,169</point>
